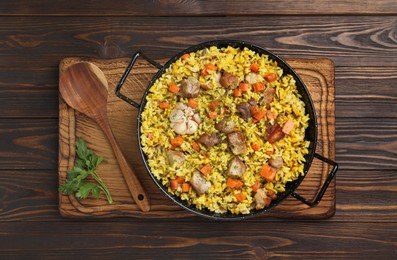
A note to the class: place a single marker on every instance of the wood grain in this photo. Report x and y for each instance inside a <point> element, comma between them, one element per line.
<point>24,144</point>
<point>348,41</point>
<point>318,76</point>
<point>201,240</point>
<point>197,8</point>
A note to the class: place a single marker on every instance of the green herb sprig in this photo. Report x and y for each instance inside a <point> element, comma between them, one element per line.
<point>85,165</point>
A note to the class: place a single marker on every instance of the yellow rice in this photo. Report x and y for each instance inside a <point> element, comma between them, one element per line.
<point>286,104</point>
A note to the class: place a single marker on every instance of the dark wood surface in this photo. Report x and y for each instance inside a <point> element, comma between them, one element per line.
<point>359,36</point>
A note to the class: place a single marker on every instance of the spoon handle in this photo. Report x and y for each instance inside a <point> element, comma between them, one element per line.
<point>133,183</point>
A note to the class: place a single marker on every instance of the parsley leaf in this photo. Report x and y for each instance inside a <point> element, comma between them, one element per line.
<point>85,166</point>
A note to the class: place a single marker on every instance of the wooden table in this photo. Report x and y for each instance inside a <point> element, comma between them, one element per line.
<point>359,36</point>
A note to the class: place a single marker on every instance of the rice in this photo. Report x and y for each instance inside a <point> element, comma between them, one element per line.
<point>286,105</point>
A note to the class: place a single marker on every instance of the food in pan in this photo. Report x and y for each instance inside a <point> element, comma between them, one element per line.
<point>224,130</point>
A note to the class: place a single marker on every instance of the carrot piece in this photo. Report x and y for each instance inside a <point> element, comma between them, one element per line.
<point>234,184</point>
<point>210,66</point>
<point>192,103</point>
<point>185,187</point>
<point>259,115</point>
<point>255,146</point>
<point>174,184</point>
<point>244,87</point>
<point>150,136</point>
<point>172,87</point>
<point>164,105</point>
<point>254,109</point>
<point>256,186</point>
<point>213,105</point>
<point>196,146</point>
<point>270,152</point>
<point>254,67</point>
<point>240,197</point>
<point>206,169</point>
<point>287,127</point>
<point>237,92</point>
<point>270,77</point>
<point>185,56</point>
<point>180,179</point>
<point>212,114</point>
<point>268,172</point>
<point>177,141</point>
<point>259,87</point>
<point>270,115</point>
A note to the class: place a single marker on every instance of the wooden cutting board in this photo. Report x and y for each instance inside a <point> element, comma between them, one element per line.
<point>317,74</point>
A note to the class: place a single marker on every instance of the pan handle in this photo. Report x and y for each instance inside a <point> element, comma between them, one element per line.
<point>127,72</point>
<point>325,185</point>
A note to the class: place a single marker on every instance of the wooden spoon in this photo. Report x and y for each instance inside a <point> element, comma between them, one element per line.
<point>83,86</point>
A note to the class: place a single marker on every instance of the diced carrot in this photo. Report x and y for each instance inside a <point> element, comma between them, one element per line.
<point>213,105</point>
<point>185,56</point>
<point>234,184</point>
<point>259,115</point>
<point>270,115</point>
<point>212,114</point>
<point>206,169</point>
<point>256,186</point>
<point>192,103</point>
<point>244,87</point>
<point>237,92</point>
<point>210,66</point>
<point>259,87</point>
<point>268,172</point>
<point>287,127</point>
<point>172,87</point>
<point>185,187</point>
<point>180,179</point>
<point>270,77</point>
<point>177,141</point>
<point>254,109</point>
<point>254,67</point>
<point>196,146</point>
<point>164,105</point>
<point>240,197</point>
<point>270,152</point>
<point>255,146</point>
<point>150,136</point>
<point>174,184</point>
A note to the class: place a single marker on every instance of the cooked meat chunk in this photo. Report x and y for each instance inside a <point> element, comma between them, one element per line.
<point>268,96</point>
<point>228,80</point>
<point>261,199</point>
<point>252,102</point>
<point>236,167</point>
<point>190,87</point>
<point>209,140</point>
<point>237,143</point>
<point>274,133</point>
<point>226,126</point>
<point>271,194</point>
<point>276,162</point>
<point>244,109</point>
<point>199,183</point>
<point>205,86</point>
<point>175,157</point>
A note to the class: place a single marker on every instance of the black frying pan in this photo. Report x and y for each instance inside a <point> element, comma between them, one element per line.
<point>310,135</point>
